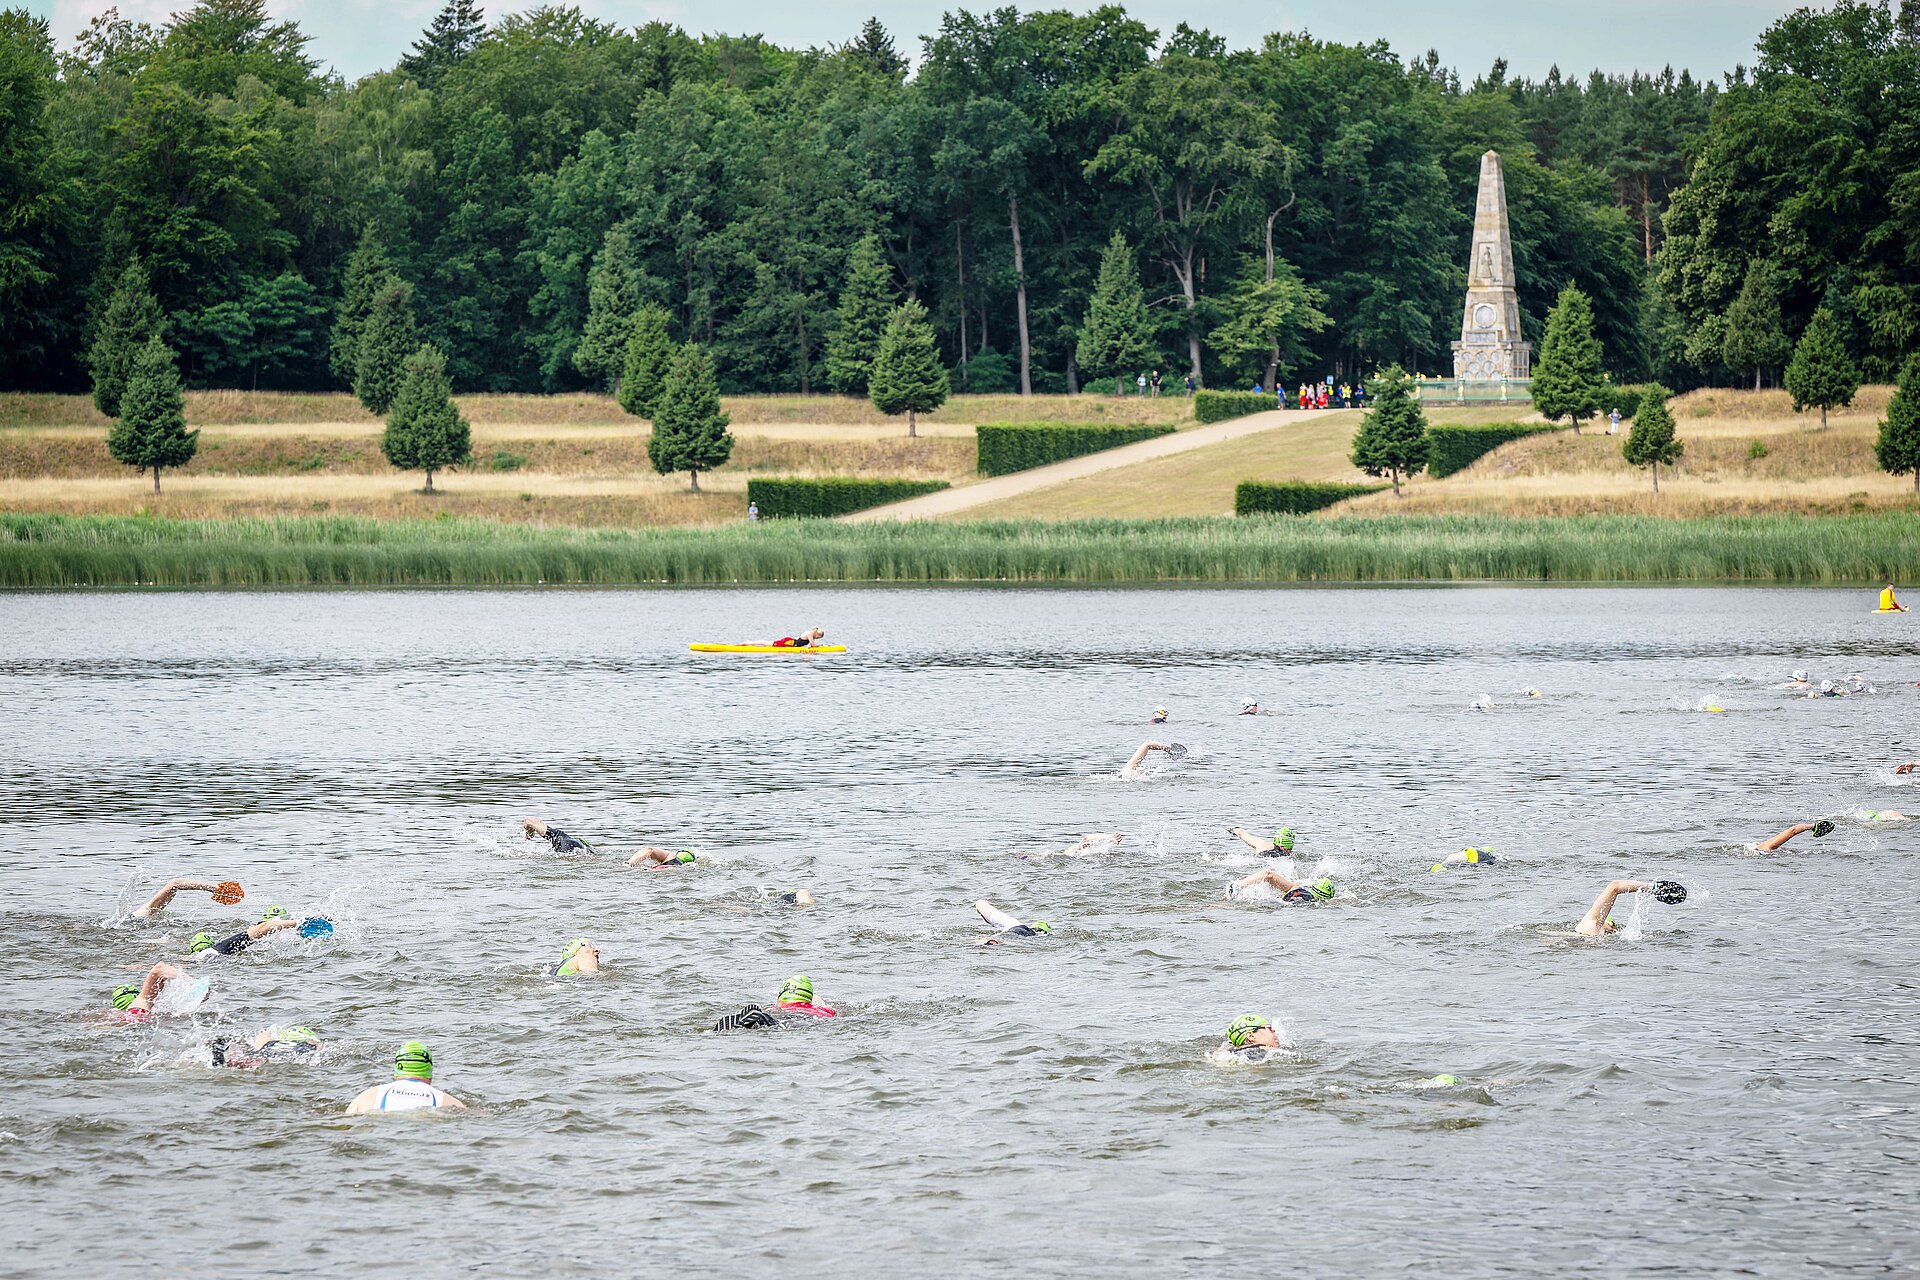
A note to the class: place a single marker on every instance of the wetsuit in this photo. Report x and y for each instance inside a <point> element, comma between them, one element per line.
<point>750,1016</point>
<point>788,900</point>
<point>564,843</point>
<point>227,1053</point>
<point>234,945</point>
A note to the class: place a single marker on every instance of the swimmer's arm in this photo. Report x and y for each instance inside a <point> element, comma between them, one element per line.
<point>265,927</point>
<point>366,1102</point>
<point>451,1103</point>
<point>1139,755</point>
<point>533,828</point>
<point>647,855</point>
<point>994,915</point>
<point>1906,766</point>
<point>158,902</point>
<point>1769,845</point>
<point>157,978</point>
<point>1594,921</point>
<point>1251,843</point>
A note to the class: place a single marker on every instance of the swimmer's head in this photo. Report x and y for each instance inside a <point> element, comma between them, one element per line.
<point>124,995</point>
<point>1283,839</point>
<point>574,948</point>
<point>1322,888</point>
<point>685,855</point>
<point>1159,715</point>
<point>1245,1028</point>
<point>299,1035</point>
<point>1824,827</point>
<point>1800,675</point>
<point>414,1060</point>
<point>1248,706</point>
<point>797,990</point>
<point>276,912</point>
<point>1041,926</point>
<point>1444,1080</point>
<point>1670,892</point>
<point>201,941</point>
<point>1826,686</point>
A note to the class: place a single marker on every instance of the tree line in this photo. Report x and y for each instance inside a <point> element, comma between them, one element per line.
<point>1067,196</point>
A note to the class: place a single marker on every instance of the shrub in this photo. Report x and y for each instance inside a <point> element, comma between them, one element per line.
<point>1006,447</point>
<point>831,495</point>
<point>1756,450</point>
<point>504,461</point>
<point>1293,497</point>
<point>1624,398</point>
<point>1456,448</point>
<point>1218,406</point>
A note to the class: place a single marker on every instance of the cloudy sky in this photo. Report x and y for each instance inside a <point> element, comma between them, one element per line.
<point>1707,36</point>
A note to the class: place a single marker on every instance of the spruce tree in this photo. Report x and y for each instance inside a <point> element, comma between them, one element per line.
<point>369,272</point>
<point>1392,439</point>
<point>456,29</point>
<point>1568,380</point>
<point>1898,447</point>
<point>874,47</point>
<point>132,316</point>
<point>1821,372</point>
<point>386,341</point>
<point>425,431</point>
<point>1755,337</point>
<point>689,430</point>
<point>1650,442</point>
<point>907,374</point>
<point>649,356</point>
<point>152,430</point>
<point>866,301</point>
<point>1117,335</point>
<point>613,299</point>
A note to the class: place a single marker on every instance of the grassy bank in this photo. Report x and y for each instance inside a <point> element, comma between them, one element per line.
<point>54,551</point>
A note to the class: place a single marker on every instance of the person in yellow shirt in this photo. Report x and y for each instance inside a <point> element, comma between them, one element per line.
<point>1887,603</point>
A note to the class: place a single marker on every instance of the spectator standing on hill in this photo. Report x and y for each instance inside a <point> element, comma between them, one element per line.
<point>1360,395</point>
<point>1189,384</point>
<point>1141,383</point>
<point>1303,395</point>
<point>1613,423</point>
<point>753,511</point>
<point>1320,397</point>
<point>1155,384</point>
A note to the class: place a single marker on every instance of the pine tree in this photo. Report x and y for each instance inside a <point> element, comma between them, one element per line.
<point>425,431</point>
<point>152,430</point>
<point>131,317</point>
<point>1117,335</point>
<point>456,29</point>
<point>1392,439</point>
<point>689,430</point>
<point>1821,372</point>
<point>1755,336</point>
<point>386,341</point>
<point>866,301</point>
<point>1568,380</point>
<point>875,47</point>
<point>649,355</point>
<point>369,272</point>
<point>907,375</point>
<point>1898,447</point>
<point>613,299</point>
<point>1650,442</point>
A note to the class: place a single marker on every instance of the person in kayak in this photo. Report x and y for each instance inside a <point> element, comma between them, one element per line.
<point>1598,921</point>
<point>806,639</point>
<point>1128,769</point>
<point>275,920</point>
<point>577,959</point>
<point>651,858</point>
<point>135,1003</point>
<point>1471,856</point>
<point>1771,843</point>
<point>275,1044</point>
<point>1282,846</point>
<point>1321,890</point>
<point>411,1088</point>
<point>1007,926</point>
<point>158,902</point>
<point>534,829</point>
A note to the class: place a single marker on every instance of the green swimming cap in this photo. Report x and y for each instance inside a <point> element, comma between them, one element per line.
<point>124,995</point>
<point>1322,888</point>
<point>686,855</point>
<point>1283,839</point>
<point>1823,827</point>
<point>201,941</point>
<point>572,949</point>
<point>1041,926</point>
<point>306,1035</point>
<point>275,912</point>
<point>414,1059</point>
<point>1438,866</point>
<point>1243,1026</point>
<point>797,990</point>
<point>1444,1080</point>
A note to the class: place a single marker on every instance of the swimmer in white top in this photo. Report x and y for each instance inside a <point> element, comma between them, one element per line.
<point>411,1088</point>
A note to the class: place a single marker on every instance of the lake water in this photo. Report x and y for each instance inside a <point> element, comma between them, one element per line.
<point>1727,1088</point>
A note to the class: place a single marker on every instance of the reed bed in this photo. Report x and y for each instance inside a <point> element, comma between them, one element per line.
<point>99,551</point>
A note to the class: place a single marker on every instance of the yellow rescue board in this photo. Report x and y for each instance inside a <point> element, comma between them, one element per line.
<point>767,648</point>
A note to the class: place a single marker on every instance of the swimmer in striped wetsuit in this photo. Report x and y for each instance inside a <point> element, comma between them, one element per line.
<point>411,1088</point>
<point>794,1003</point>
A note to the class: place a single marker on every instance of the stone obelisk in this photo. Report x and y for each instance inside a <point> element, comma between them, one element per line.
<point>1490,346</point>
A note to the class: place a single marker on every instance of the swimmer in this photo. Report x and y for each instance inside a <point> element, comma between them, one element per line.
<point>1471,856</point>
<point>274,921</point>
<point>1906,766</point>
<point>1133,762</point>
<point>577,958</point>
<point>1827,689</point>
<point>1290,890</point>
<point>796,998</point>
<point>1250,1031</point>
<point>1101,840</point>
<point>1527,692</point>
<point>1282,846</point>
<point>1856,684</point>
<point>158,902</point>
<point>411,1088</point>
<point>1159,716</point>
<point>796,898</point>
<point>1798,681</point>
<point>560,840</point>
<point>135,1003</point>
<point>1597,920</point>
<point>1883,815</point>
<point>654,859</point>
<point>275,1044</point>
<point>1008,926</point>
<point>804,640</point>
<point>1248,707</point>
<point>1819,829</point>
<point>1484,702</point>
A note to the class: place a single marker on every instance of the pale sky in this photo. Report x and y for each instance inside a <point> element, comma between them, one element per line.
<point>1709,37</point>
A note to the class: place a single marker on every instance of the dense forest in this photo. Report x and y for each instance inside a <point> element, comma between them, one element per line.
<point>1318,196</point>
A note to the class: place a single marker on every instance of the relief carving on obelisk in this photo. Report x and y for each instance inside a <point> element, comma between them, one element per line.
<point>1490,345</point>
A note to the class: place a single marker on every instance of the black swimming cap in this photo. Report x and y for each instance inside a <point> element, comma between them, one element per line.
<point>1670,892</point>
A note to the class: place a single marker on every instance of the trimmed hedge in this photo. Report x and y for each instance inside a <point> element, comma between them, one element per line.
<point>1218,406</point>
<point>1006,447</point>
<point>1452,448</point>
<point>1294,497</point>
<point>832,495</point>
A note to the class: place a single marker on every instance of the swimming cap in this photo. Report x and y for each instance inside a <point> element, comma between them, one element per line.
<point>305,1035</point>
<point>1670,892</point>
<point>686,855</point>
<point>1248,704</point>
<point>1799,675</point>
<point>1322,888</point>
<point>1824,827</point>
<point>572,949</point>
<point>1243,1026</point>
<point>414,1059</point>
<point>1041,926</point>
<point>1283,839</point>
<point>797,990</point>
<point>124,995</point>
<point>1159,711</point>
<point>201,941</point>
<point>1444,1080</point>
<point>276,912</point>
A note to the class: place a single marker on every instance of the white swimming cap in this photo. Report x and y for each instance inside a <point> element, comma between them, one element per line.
<point>1799,675</point>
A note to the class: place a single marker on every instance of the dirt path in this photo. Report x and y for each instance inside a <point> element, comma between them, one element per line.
<point>965,497</point>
